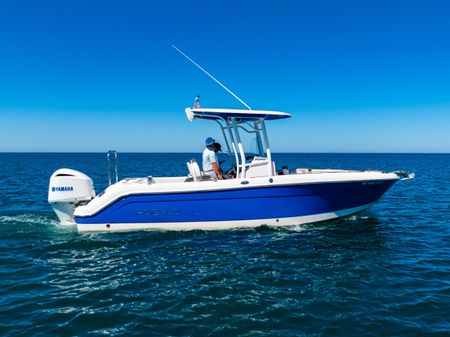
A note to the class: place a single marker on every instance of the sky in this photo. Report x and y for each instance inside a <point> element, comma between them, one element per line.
<point>357,76</point>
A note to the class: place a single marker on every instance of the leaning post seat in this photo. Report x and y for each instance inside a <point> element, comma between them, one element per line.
<point>194,172</point>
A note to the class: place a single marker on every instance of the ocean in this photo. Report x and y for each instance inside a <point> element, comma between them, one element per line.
<point>385,272</point>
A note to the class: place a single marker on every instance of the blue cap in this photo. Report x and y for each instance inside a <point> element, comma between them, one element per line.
<point>209,141</point>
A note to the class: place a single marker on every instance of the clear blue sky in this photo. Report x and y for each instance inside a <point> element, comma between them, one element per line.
<point>358,76</point>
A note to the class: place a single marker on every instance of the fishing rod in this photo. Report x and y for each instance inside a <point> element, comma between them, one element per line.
<point>212,77</point>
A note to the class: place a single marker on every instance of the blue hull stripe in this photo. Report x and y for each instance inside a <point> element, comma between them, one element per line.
<point>240,204</point>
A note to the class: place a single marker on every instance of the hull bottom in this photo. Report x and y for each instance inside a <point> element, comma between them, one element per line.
<point>221,225</point>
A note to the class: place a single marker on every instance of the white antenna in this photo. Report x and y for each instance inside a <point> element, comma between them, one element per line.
<point>212,77</point>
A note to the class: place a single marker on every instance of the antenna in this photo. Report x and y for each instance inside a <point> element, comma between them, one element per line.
<point>212,77</point>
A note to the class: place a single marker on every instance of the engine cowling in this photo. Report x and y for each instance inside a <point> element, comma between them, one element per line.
<point>67,190</point>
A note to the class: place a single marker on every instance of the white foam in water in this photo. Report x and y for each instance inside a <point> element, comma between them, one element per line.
<point>28,218</point>
<point>296,228</point>
<point>27,222</point>
<point>356,217</point>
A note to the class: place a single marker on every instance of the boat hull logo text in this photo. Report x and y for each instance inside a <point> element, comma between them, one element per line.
<point>157,212</point>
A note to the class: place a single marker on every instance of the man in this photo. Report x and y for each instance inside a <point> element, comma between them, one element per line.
<point>197,103</point>
<point>210,162</point>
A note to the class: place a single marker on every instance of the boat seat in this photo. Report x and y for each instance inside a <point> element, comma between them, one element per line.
<point>202,178</point>
<point>194,172</point>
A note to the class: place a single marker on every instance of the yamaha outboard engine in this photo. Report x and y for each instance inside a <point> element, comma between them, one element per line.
<point>67,190</point>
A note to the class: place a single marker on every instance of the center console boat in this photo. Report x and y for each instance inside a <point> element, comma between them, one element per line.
<point>257,192</point>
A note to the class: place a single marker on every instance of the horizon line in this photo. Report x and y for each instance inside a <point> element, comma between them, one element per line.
<point>190,152</point>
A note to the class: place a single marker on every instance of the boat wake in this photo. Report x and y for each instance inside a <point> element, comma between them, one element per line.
<point>30,222</point>
<point>297,228</point>
<point>28,219</point>
<point>356,217</point>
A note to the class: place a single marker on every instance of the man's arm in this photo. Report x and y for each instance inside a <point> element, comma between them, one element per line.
<point>217,170</point>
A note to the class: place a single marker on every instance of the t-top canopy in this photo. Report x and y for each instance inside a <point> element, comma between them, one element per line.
<point>214,114</point>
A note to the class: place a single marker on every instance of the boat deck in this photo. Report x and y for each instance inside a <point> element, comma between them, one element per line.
<point>181,179</point>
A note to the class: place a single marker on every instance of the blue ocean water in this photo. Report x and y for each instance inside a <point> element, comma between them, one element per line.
<point>385,272</point>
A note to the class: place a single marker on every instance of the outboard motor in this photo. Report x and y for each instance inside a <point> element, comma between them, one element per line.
<point>67,190</point>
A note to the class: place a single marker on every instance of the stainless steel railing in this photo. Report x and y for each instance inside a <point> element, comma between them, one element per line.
<point>112,156</point>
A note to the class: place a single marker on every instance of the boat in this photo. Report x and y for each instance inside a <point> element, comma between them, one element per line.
<point>258,191</point>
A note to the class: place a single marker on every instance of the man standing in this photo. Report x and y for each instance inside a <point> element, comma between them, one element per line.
<point>197,103</point>
<point>210,162</point>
